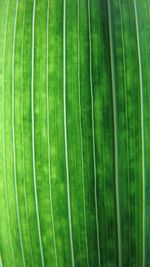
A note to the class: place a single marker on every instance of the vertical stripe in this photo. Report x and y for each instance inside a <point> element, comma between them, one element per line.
<point>33,141</point>
<point>13,137</point>
<point>65,132</point>
<point>142,127</point>
<point>81,137</point>
<point>93,135</point>
<point>48,141</point>
<point>126,119</point>
<point>22,136</point>
<point>3,135</point>
<point>115,131</point>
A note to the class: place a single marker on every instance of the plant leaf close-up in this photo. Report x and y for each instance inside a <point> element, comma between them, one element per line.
<point>74,133</point>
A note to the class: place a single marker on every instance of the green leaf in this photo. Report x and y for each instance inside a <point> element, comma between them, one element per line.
<point>74,133</point>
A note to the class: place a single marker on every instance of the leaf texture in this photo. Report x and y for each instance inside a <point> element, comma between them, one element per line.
<point>74,133</point>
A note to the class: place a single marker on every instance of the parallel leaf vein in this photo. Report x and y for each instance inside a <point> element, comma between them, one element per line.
<point>65,133</point>
<point>81,137</point>
<point>13,139</point>
<point>48,141</point>
<point>142,126</point>
<point>22,136</point>
<point>115,131</point>
<point>93,134</point>
<point>33,140</point>
<point>3,136</point>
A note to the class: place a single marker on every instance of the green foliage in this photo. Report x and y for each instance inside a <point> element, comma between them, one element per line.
<point>75,133</point>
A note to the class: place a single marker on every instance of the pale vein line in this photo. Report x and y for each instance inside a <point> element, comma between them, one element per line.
<point>93,135</point>
<point>142,126</point>
<point>115,132</point>
<point>82,161</point>
<point>65,132</point>
<point>3,134</point>
<point>126,115</point>
<point>13,138</point>
<point>33,139</point>
<point>22,133</point>
<point>48,141</point>
<point>1,218</point>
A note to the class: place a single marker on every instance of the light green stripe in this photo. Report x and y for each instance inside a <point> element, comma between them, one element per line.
<point>3,137</point>
<point>142,127</point>
<point>33,141</point>
<point>48,141</point>
<point>65,132</point>
<point>13,139</point>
